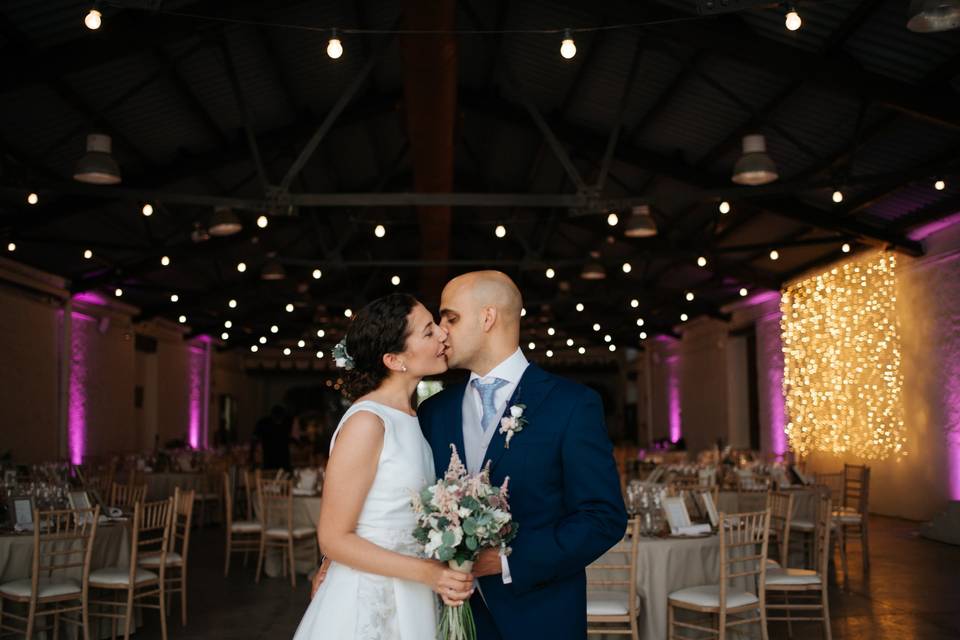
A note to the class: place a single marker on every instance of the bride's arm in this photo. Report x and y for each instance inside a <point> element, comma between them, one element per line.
<point>349,475</point>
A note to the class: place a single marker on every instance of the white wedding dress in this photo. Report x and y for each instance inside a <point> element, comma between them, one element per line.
<point>353,605</point>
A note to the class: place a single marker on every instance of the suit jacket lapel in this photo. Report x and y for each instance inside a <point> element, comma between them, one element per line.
<point>531,391</point>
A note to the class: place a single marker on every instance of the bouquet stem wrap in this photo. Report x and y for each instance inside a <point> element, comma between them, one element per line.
<point>456,623</point>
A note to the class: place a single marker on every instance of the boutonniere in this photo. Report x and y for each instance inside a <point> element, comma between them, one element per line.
<point>514,423</point>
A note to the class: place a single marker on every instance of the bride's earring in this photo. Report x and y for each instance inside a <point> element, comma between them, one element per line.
<point>403,368</point>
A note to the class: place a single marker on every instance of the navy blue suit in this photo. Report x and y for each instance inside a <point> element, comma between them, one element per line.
<point>564,494</point>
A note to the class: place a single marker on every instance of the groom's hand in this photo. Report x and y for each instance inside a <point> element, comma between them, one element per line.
<point>487,563</point>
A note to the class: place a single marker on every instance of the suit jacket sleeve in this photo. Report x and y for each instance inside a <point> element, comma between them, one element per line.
<point>596,518</point>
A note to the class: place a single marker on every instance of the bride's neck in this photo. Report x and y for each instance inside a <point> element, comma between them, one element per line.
<point>397,392</point>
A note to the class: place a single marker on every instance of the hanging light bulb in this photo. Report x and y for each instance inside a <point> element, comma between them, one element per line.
<point>792,20</point>
<point>334,46</point>
<point>701,262</point>
<point>254,348</point>
<point>613,219</point>
<point>241,266</point>
<point>743,292</point>
<point>274,328</point>
<point>640,322</point>
<point>567,47</point>
<point>118,292</point>
<point>939,185</point>
<point>684,317</point>
<point>612,347</point>
<point>301,343</point>
<point>11,247</point>
<point>232,304</point>
<point>689,296</point>
<point>380,231</point>
<point>581,350</point>
<point>643,335</point>
<point>174,297</point>
<point>165,261</point>
<point>317,274</point>
<point>500,231</point>
<point>395,281</point>
<point>228,324</point>
<point>289,307</point>
<point>608,338</point>
<point>569,342</point>
<point>549,353</point>
<point>224,336</point>
<point>550,272</point>
<point>286,351</point>
<point>182,319</point>
<point>724,207</point>
<point>551,331</point>
<point>837,196</point>
<point>596,326</point>
<point>93,20</point>
<point>263,340</point>
<point>634,303</point>
<point>348,312</point>
<point>532,346</point>
<point>32,198</point>
<point>774,255</point>
<point>87,254</point>
<point>319,355</point>
<point>627,267</point>
<point>147,210</point>
<point>321,333</point>
<point>263,221</point>
<point>846,247</point>
<point>580,306</point>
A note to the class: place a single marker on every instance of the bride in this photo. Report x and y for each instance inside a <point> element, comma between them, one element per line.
<point>377,587</point>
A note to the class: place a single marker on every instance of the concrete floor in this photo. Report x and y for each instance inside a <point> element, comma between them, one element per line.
<point>912,592</point>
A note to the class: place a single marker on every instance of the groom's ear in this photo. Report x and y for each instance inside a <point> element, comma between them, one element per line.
<point>488,318</point>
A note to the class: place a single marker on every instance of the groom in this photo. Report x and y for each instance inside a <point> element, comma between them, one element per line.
<point>564,488</point>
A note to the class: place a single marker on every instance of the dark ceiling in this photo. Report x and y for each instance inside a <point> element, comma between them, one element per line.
<point>853,100</point>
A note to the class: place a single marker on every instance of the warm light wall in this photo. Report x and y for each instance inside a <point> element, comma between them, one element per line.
<point>842,361</point>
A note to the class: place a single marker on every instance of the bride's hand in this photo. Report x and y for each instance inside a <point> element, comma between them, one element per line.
<point>452,586</point>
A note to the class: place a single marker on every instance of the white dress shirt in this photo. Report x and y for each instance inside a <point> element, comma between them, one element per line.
<point>475,440</point>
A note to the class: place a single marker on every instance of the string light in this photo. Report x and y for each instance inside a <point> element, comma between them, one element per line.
<point>608,338</point>
<point>792,20</point>
<point>500,231</point>
<point>165,261</point>
<point>11,246</point>
<point>224,336</point>
<point>837,196</point>
<point>319,355</point>
<point>32,198</point>
<point>286,351</point>
<point>549,353</point>
<point>774,255</point>
<point>317,274</point>
<point>174,297</point>
<point>634,303</point>
<point>348,312</point>
<point>118,292</point>
<point>182,319</point>
<point>569,342</point>
<point>274,328</point>
<point>321,333</point>
<point>724,207</point>
<point>596,326</point>
<point>532,346</point>
<point>846,247</point>
<point>228,324</point>
<point>613,219</point>
<point>263,340</point>
<point>147,210</point>
<point>581,350</point>
<point>550,331</point>
<point>262,222</point>
<point>395,281</point>
<point>689,296</point>
<point>939,185</point>
<point>550,273</point>
<point>612,347</point>
<point>627,267</point>
<point>87,254</point>
<point>640,322</point>
<point>580,306</point>
<point>701,262</point>
<point>334,46</point>
<point>684,317</point>
<point>254,348</point>
<point>289,307</point>
<point>842,363</point>
<point>743,292</point>
<point>93,20</point>
<point>643,335</point>
<point>301,343</point>
<point>568,48</point>
<point>232,304</point>
<point>379,231</point>
<point>241,266</point>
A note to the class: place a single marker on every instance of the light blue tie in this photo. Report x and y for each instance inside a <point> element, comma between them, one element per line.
<point>487,391</point>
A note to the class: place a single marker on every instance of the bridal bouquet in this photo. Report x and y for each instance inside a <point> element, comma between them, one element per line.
<point>457,517</point>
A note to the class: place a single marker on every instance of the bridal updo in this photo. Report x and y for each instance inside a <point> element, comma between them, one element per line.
<point>377,329</point>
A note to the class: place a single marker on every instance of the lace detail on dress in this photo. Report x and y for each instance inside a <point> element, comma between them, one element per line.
<point>398,540</point>
<point>377,619</point>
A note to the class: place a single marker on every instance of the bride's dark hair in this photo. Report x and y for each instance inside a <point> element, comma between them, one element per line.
<point>377,329</point>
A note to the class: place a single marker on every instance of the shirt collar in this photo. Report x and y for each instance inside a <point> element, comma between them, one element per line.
<point>510,369</point>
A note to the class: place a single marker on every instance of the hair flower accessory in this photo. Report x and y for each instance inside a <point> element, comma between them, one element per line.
<point>340,355</point>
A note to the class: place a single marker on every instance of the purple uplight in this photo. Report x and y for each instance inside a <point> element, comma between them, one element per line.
<point>197,368</point>
<point>77,387</point>
<point>927,230</point>
<point>951,401</point>
<point>778,423</point>
<point>673,397</point>
<point>90,297</point>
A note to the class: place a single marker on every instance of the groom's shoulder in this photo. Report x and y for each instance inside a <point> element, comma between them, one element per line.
<point>573,391</point>
<point>439,399</point>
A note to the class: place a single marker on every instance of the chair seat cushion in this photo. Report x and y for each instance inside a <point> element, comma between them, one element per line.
<point>609,603</point>
<point>246,526</point>
<point>298,532</point>
<point>23,588</point>
<point>709,596</point>
<point>173,559</point>
<point>847,517</point>
<point>802,525</point>
<point>116,576</point>
<point>791,577</point>
<point>772,564</point>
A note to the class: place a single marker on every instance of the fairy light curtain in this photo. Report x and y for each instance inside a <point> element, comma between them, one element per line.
<point>841,346</point>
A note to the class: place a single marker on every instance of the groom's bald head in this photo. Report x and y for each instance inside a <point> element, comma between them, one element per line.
<point>481,311</point>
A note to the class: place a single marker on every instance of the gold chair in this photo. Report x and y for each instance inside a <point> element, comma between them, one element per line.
<point>809,586</point>
<point>150,536</point>
<point>124,496</point>
<point>743,552</point>
<point>615,612</point>
<point>210,493</point>
<point>62,546</point>
<point>781,513</point>
<point>243,536</point>
<point>852,516</point>
<point>176,559</point>
<point>275,499</point>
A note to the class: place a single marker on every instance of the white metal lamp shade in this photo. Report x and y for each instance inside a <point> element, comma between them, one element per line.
<point>273,270</point>
<point>97,166</point>
<point>593,270</point>
<point>754,167</point>
<point>640,224</point>
<point>224,222</point>
<point>926,16</point>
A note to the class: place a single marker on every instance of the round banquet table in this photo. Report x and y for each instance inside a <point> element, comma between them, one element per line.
<point>111,548</point>
<point>306,513</point>
<point>160,485</point>
<point>665,565</point>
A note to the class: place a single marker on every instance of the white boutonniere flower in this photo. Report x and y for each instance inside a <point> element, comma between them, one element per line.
<point>514,423</point>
